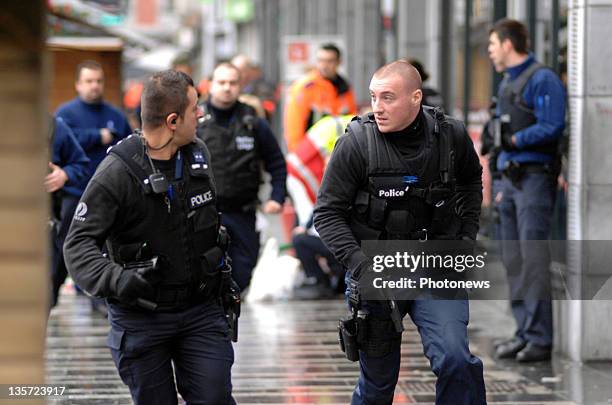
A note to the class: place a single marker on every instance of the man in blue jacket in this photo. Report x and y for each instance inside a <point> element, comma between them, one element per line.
<point>68,168</point>
<point>95,123</point>
<point>531,107</point>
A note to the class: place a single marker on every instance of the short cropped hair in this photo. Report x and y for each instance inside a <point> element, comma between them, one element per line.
<point>333,48</point>
<point>514,31</point>
<point>404,69</point>
<point>87,64</point>
<point>164,93</point>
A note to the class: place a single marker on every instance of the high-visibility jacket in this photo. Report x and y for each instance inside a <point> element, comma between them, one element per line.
<point>306,164</point>
<point>310,99</point>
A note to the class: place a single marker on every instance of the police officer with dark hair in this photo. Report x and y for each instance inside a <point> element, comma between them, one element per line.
<point>400,143</point>
<point>531,110</point>
<point>241,144</point>
<point>153,201</point>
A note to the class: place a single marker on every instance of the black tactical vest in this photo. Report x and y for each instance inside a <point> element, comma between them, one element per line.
<point>406,198</point>
<point>235,158</point>
<point>179,237</point>
<point>521,114</point>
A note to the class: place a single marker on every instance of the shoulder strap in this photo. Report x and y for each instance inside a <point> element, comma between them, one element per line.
<point>129,151</point>
<point>518,85</point>
<point>363,127</point>
<point>247,116</point>
<point>442,130</point>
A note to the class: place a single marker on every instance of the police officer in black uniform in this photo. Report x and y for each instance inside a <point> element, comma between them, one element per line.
<point>152,200</point>
<point>240,145</point>
<point>402,144</point>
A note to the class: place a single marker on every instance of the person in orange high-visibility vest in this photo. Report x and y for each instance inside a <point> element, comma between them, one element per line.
<point>321,92</point>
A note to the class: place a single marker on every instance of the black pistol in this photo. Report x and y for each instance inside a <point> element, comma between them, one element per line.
<point>350,328</point>
<point>147,269</point>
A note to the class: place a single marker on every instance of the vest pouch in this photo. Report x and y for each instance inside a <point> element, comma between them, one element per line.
<point>204,218</point>
<point>370,209</point>
<point>376,212</point>
<point>445,223</point>
<point>209,281</point>
<point>437,196</point>
<point>368,219</point>
<point>400,222</point>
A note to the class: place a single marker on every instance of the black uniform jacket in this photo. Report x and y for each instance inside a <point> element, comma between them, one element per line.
<point>347,172</point>
<point>115,208</point>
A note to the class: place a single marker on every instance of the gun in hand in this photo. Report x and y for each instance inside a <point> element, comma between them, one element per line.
<point>147,270</point>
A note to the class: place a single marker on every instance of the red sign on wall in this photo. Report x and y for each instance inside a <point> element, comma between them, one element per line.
<point>146,12</point>
<point>298,52</point>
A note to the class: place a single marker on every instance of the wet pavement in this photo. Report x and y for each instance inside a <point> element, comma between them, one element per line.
<point>288,354</point>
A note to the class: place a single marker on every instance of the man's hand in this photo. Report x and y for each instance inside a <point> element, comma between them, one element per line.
<point>298,230</point>
<point>106,136</point>
<point>562,184</point>
<point>132,284</point>
<point>508,142</point>
<point>272,207</point>
<point>56,179</point>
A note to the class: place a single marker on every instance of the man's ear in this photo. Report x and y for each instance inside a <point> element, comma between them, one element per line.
<point>506,45</point>
<point>417,96</point>
<point>171,120</point>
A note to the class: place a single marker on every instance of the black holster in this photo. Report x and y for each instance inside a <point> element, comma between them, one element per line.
<point>514,172</point>
<point>347,337</point>
<point>209,280</point>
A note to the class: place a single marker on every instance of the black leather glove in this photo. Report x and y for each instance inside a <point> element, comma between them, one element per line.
<point>132,284</point>
<point>352,284</point>
<point>358,271</point>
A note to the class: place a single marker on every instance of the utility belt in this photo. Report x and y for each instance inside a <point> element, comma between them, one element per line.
<point>209,282</point>
<point>516,171</point>
<point>176,297</point>
<point>169,298</point>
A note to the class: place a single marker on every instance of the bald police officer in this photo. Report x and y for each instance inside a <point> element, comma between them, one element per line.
<point>400,141</point>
